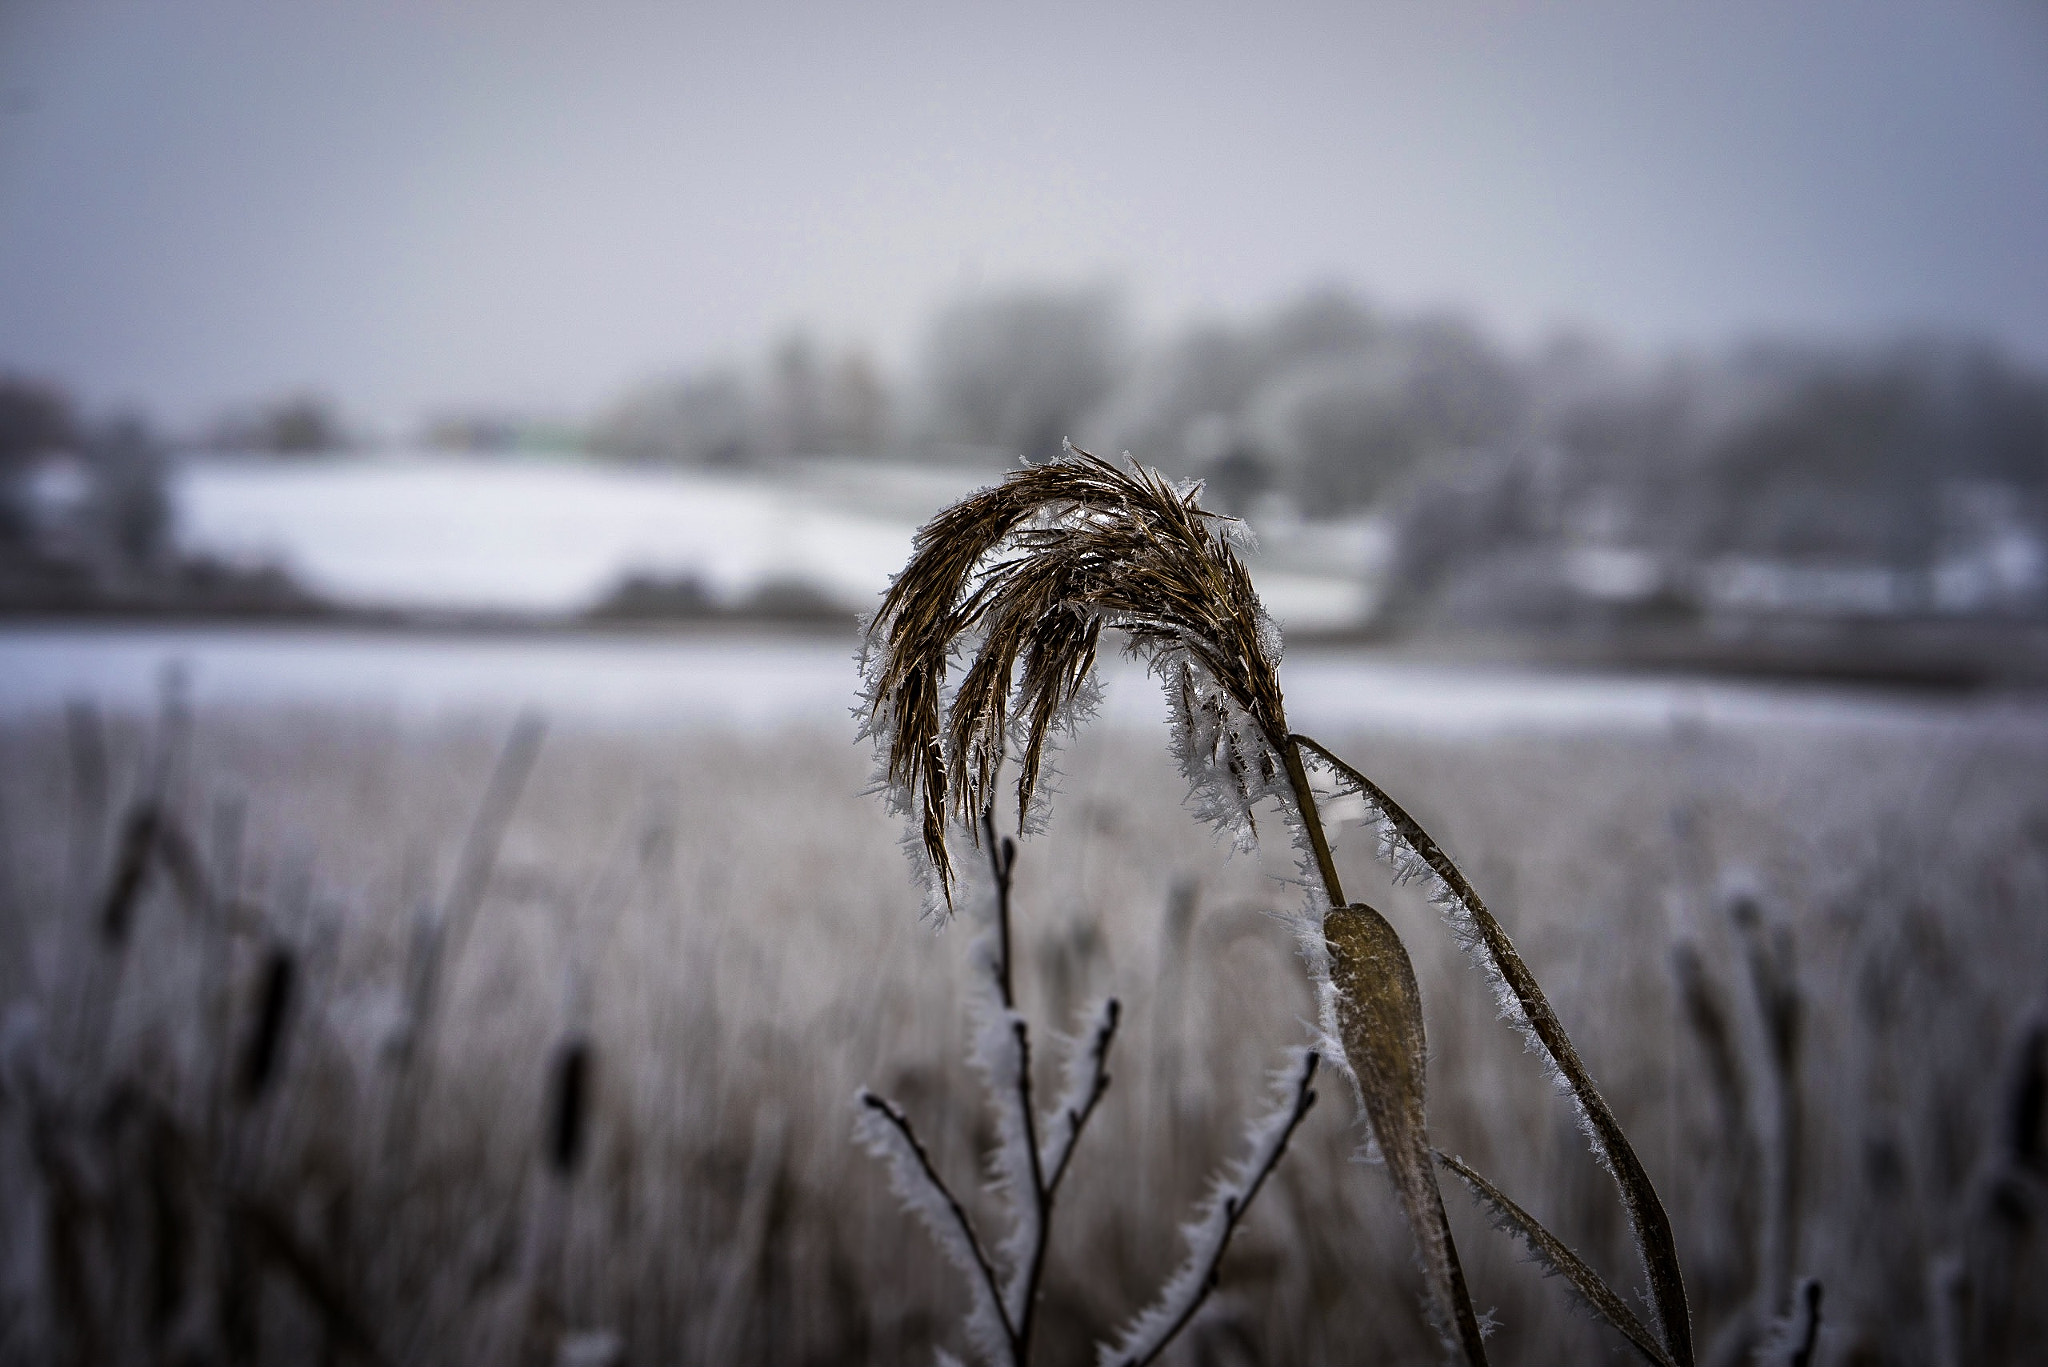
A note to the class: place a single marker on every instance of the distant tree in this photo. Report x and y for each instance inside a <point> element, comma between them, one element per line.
<point>815,406</point>
<point>802,402</point>
<point>796,420</point>
<point>471,432</point>
<point>294,425</point>
<point>705,419</point>
<point>1183,404</point>
<point>1627,454</point>
<point>301,425</point>
<point>1346,426</point>
<point>120,519</point>
<point>1846,455</point>
<point>1327,400</point>
<point>1021,370</point>
<point>36,419</point>
<point>130,491</point>
<point>858,404</point>
<point>1323,322</point>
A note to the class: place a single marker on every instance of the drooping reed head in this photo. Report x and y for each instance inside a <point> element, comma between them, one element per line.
<point>1019,582</point>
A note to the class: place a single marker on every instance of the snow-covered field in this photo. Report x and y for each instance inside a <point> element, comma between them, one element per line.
<point>754,681</point>
<point>527,535</point>
<point>427,529</point>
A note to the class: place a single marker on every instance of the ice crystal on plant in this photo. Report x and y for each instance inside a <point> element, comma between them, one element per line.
<point>1209,1232</point>
<point>883,1132</point>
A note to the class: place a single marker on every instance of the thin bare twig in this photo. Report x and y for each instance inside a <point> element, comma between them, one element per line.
<point>892,1113</point>
<point>1041,1195</point>
<point>1002,858</point>
<point>1234,1208</point>
<point>1098,1056</point>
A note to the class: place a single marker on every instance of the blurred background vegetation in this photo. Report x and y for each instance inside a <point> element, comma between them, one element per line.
<point>1573,487</point>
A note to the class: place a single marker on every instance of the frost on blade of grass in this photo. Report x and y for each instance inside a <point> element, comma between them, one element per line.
<point>1228,764</point>
<point>1414,855</point>
<point>1208,1234</point>
<point>1557,1259</point>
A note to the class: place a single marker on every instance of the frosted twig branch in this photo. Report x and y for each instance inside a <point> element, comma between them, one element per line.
<point>1209,1237</point>
<point>1041,1198</point>
<point>961,1239</point>
<point>1028,1172</point>
<point>1030,1240</point>
<point>1085,1088</point>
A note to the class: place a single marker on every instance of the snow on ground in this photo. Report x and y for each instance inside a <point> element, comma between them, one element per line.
<point>533,536</point>
<point>433,530</point>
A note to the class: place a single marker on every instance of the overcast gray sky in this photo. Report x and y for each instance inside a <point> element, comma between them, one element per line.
<point>413,204</point>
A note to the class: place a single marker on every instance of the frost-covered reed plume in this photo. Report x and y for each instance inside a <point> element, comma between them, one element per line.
<point>1018,584</point>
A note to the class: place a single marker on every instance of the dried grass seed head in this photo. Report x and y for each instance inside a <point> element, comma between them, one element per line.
<point>1024,577</point>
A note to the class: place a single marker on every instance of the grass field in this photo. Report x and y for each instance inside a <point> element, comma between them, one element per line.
<point>288,1027</point>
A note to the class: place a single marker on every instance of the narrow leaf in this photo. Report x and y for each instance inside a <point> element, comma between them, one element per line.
<point>1655,1243</point>
<point>1556,1257</point>
<point>1379,1015</point>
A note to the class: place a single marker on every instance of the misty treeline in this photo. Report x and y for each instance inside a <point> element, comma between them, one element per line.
<point>86,516</point>
<point>1891,478</point>
<point>1564,484</point>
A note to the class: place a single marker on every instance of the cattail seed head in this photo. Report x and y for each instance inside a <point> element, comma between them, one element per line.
<point>265,1049</point>
<point>569,1106</point>
<point>131,869</point>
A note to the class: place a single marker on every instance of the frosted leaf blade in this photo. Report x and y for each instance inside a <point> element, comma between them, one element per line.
<point>1557,1258</point>
<point>1379,1018</point>
<point>1411,850</point>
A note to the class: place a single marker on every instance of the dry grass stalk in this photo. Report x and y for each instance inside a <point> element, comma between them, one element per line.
<point>708,1021</point>
<point>1024,578</point>
<point>440,936</point>
<point>156,1226</point>
<point>265,1046</point>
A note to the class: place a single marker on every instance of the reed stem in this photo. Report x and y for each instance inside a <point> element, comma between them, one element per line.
<point>1311,817</point>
